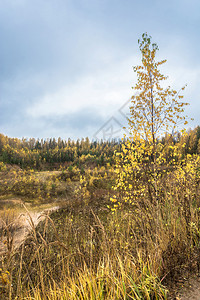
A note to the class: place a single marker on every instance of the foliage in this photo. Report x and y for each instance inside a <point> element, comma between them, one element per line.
<point>83,251</point>
<point>31,185</point>
<point>2,167</point>
<point>155,110</point>
<point>49,154</point>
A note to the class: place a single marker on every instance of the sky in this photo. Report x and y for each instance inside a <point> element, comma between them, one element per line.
<point>66,66</point>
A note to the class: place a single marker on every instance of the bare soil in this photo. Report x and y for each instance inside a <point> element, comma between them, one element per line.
<point>24,221</point>
<point>190,290</point>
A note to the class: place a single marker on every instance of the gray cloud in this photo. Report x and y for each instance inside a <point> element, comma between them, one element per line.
<point>64,62</point>
<point>82,123</point>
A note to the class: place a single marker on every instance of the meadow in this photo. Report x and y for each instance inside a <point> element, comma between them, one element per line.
<point>91,248</point>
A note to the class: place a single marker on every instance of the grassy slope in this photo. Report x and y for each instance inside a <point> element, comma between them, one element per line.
<point>85,251</point>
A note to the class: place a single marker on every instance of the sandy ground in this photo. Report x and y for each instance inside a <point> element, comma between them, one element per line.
<point>25,221</point>
<point>190,290</point>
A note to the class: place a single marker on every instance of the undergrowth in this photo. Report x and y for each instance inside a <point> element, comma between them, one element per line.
<point>86,251</point>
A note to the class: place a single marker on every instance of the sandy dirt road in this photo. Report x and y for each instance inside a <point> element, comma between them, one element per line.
<point>24,222</point>
<point>190,290</point>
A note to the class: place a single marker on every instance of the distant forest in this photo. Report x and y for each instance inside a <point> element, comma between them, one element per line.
<point>42,154</point>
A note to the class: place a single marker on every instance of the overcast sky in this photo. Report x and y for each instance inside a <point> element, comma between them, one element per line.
<point>66,65</point>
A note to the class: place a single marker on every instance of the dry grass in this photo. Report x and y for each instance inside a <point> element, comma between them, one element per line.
<point>87,252</point>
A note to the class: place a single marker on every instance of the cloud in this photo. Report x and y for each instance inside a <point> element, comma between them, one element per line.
<point>81,107</point>
<point>81,123</point>
<point>105,90</point>
<point>66,66</point>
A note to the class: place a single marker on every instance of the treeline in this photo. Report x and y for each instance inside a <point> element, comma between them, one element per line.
<point>40,153</point>
<point>35,153</point>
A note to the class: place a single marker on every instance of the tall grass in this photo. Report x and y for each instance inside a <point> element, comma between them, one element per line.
<point>87,252</point>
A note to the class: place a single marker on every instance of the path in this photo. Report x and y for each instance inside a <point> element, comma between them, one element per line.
<point>190,290</point>
<point>24,223</point>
